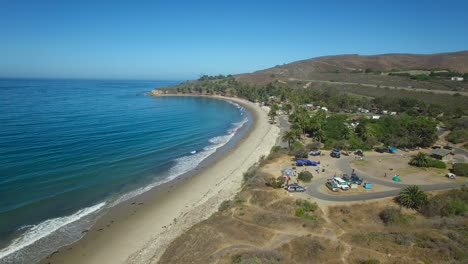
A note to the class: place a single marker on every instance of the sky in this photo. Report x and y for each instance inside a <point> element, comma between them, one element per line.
<point>181,40</point>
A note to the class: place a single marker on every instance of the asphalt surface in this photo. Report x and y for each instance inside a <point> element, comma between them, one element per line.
<point>284,127</point>
<point>313,188</point>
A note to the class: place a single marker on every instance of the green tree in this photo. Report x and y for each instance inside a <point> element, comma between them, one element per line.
<point>412,197</point>
<point>289,137</point>
<point>287,108</point>
<point>272,114</point>
<point>420,160</point>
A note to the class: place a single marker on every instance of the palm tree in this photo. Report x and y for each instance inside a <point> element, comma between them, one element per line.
<point>272,114</point>
<point>289,137</point>
<point>412,197</point>
<point>420,160</point>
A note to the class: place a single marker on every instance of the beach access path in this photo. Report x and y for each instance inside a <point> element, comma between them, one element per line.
<point>139,230</point>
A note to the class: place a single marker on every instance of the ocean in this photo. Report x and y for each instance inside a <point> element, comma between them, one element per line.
<point>69,149</point>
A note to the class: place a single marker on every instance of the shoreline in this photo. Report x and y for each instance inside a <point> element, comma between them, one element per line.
<point>138,230</point>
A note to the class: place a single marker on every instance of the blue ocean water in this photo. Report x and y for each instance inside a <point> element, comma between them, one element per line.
<point>69,148</point>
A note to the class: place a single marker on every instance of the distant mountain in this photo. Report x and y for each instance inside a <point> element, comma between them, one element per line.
<point>315,68</point>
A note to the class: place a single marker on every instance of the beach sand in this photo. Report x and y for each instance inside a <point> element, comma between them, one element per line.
<point>139,230</point>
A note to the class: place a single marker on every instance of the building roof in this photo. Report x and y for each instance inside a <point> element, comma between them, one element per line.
<point>440,152</point>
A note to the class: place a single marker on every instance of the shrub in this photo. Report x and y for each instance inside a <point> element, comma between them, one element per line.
<point>393,216</point>
<point>437,164</point>
<point>275,149</point>
<point>370,261</point>
<point>299,152</point>
<point>309,207</point>
<point>458,136</point>
<point>460,169</point>
<point>453,202</point>
<point>305,176</point>
<point>423,160</point>
<point>276,182</point>
<point>306,209</point>
<point>224,205</point>
<point>250,173</point>
<point>412,197</point>
<point>314,146</point>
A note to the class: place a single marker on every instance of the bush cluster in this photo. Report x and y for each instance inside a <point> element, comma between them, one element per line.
<point>305,176</point>
<point>447,204</point>
<point>460,169</point>
<point>393,216</point>
<point>437,164</point>
<point>276,182</point>
<point>306,209</point>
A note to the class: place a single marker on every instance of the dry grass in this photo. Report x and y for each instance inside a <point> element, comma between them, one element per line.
<point>260,226</point>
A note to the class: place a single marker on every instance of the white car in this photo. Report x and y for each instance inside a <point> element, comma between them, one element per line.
<point>341,183</point>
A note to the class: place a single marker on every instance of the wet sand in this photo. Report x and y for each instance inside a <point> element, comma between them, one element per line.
<point>139,230</point>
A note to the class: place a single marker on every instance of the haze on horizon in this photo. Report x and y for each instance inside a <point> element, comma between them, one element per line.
<point>183,39</point>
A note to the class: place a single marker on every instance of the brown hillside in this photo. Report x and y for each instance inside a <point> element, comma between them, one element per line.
<point>313,68</point>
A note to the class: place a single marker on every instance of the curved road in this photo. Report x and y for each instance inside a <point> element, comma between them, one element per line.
<point>343,164</point>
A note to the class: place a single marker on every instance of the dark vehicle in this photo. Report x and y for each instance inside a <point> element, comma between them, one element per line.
<point>356,179</point>
<point>448,147</point>
<point>359,152</point>
<point>295,188</point>
<point>381,150</point>
<point>335,153</point>
<point>436,147</point>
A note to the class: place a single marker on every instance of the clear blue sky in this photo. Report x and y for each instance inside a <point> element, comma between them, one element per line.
<point>183,39</point>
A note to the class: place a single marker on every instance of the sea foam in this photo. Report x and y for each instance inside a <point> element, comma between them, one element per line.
<point>36,232</point>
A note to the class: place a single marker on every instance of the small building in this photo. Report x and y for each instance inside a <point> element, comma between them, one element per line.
<point>441,154</point>
<point>384,112</point>
<point>456,78</point>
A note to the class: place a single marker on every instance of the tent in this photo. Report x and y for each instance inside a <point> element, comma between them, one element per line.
<point>311,163</point>
<point>392,150</point>
<point>299,162</point>
<point>288,172</point>
<point>396,178</point>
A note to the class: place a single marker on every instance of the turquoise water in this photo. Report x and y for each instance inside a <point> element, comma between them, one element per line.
<point>69,148</point>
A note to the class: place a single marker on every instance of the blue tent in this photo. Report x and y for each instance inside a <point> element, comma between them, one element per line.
<point>299,162</point>
<point>392,150</point>
<point>288,172</point>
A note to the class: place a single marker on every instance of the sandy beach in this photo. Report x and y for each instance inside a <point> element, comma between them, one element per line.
<point>139,230</point>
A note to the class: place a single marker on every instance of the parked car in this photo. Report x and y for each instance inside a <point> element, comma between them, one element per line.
<point>341,183</point>
<point>356,179</point>
<point>315,153</point>
<point>295,188</point>
<point>359,152</point>
<point>335,153</point>
<point>332,186</point>
<point>381,150</point>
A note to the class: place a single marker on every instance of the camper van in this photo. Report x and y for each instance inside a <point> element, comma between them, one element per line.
<point>341,183</point>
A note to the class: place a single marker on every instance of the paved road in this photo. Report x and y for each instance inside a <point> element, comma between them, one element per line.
<point>384,86</point>
<point>284,127</point>
<point>343,164</point>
